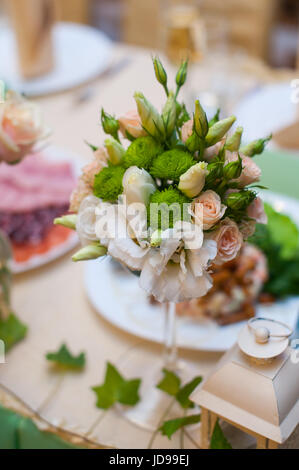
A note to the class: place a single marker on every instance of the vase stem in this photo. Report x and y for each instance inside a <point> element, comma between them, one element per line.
<point>170,351</point>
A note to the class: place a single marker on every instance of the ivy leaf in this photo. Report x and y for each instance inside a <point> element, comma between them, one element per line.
<point>64,358</point>
<point>218,440</point>
<point>116,389</point>
<point>169,427</point>
<point>183,394</point>
<point>170,383</point>
<point>12,330</point>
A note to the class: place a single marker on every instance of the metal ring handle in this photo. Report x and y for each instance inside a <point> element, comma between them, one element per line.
<point>263,334</point>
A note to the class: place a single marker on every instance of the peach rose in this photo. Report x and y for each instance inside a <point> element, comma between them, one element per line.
<point>256,211</point>
<point>251,173</point>
<point>247,228</point>
<point>131,123</point>
<point>187,130</point>
<point>20,127</point>
<point>211,152</point>
<point>79,193</point>
<point>229,241</point>
<point>208,209</point>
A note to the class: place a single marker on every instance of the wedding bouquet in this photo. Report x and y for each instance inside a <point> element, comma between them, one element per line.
<point>20,125</point>
<point>168,194</point>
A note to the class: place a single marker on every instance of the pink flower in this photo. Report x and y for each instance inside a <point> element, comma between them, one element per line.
<point>229,241</point>
<point>208,209</point>
<point>251,173</point>
<point>80,192</point>
<point>187,130</point>
<point>256,211</point>
<point>131,123</point>
<point>20,127</point>
<point>247,228</point>
<point>211,152</point>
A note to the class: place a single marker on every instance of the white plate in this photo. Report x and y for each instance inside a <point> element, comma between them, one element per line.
<point>52,153</point>
<point>81,53</point>
<point>266,110</point>
<point>116,296</point>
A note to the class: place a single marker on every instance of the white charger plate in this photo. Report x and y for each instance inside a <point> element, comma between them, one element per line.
<point>81,53</point>
<point>54,154</point>
<point>116,296</point>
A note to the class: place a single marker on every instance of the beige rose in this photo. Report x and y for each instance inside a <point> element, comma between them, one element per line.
<point>256,211</point>
<point>251,173</point>
<point>208,209</point>
<point>229,241</point>
<point>131,123</point>
<point>20,127</point>
<point>187,130</point>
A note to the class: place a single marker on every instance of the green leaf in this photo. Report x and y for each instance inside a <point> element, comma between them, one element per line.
<point>169,427</point>
<point>284,232</point>
<point>64,358</point>
<point>218,440</point>
<point>116,389</point>
<point>183,394</point>
<point>12,330</point>
<point>170,383</point>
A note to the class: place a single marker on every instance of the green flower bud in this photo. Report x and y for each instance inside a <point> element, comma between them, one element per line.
<point>181,76</point>
<point>256,147</point>
<point>68,221</point>
<point>233,169</point>
<point>201,125</point>
<point>215,172</point>
<point>115,150</point>
<point>239,201</point>
<point>194,143</point>
<point>92,251</point>
<point>215,118</point>
<point>151,120</point>
<point>160,73</point>
<point>156,238</point>
<point>218,130</point>
<point>233,142</point>
<point>110,124</point>
<point>169,114</point>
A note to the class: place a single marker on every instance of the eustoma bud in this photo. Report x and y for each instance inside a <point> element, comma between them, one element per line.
<point>201,125</point>
<point>151,120</point>
<point>68,221</point>
<point>169,114</point>
<point>91,251</point>
<point>156,238</point>
<point>115,150</point>
<point>110,124</point>
<point>256,147</point>
<point>218,130</point>
<point>233,142</point>
<point>160,73</point>
<point>181,76</point>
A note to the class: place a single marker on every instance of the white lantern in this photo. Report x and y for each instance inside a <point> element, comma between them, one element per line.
<point>255,386</point>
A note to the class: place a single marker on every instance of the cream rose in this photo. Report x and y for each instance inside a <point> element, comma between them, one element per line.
<point>229,241</point>
<point>20,127</point>
<point>251,173</point>
<point>187,130</point>
<point>256,211</point>
<point>208,209</point>
<point>131,123</point>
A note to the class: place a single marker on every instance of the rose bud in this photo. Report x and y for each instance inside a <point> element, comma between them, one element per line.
<point>193,180</point>
<point>160,73</point>
<point>232,170</point>
<point>201,125</point>
<point>256,147</point>
<point>130,125</point>
<point>110,124</point>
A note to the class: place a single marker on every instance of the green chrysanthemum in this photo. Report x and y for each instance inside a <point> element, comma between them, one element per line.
<point>108,183</point>
<point>141,152</point>
<point>167,207</point>
<point>172,164</point>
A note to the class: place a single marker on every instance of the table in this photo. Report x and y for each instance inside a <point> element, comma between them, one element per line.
<point>52,302</point>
